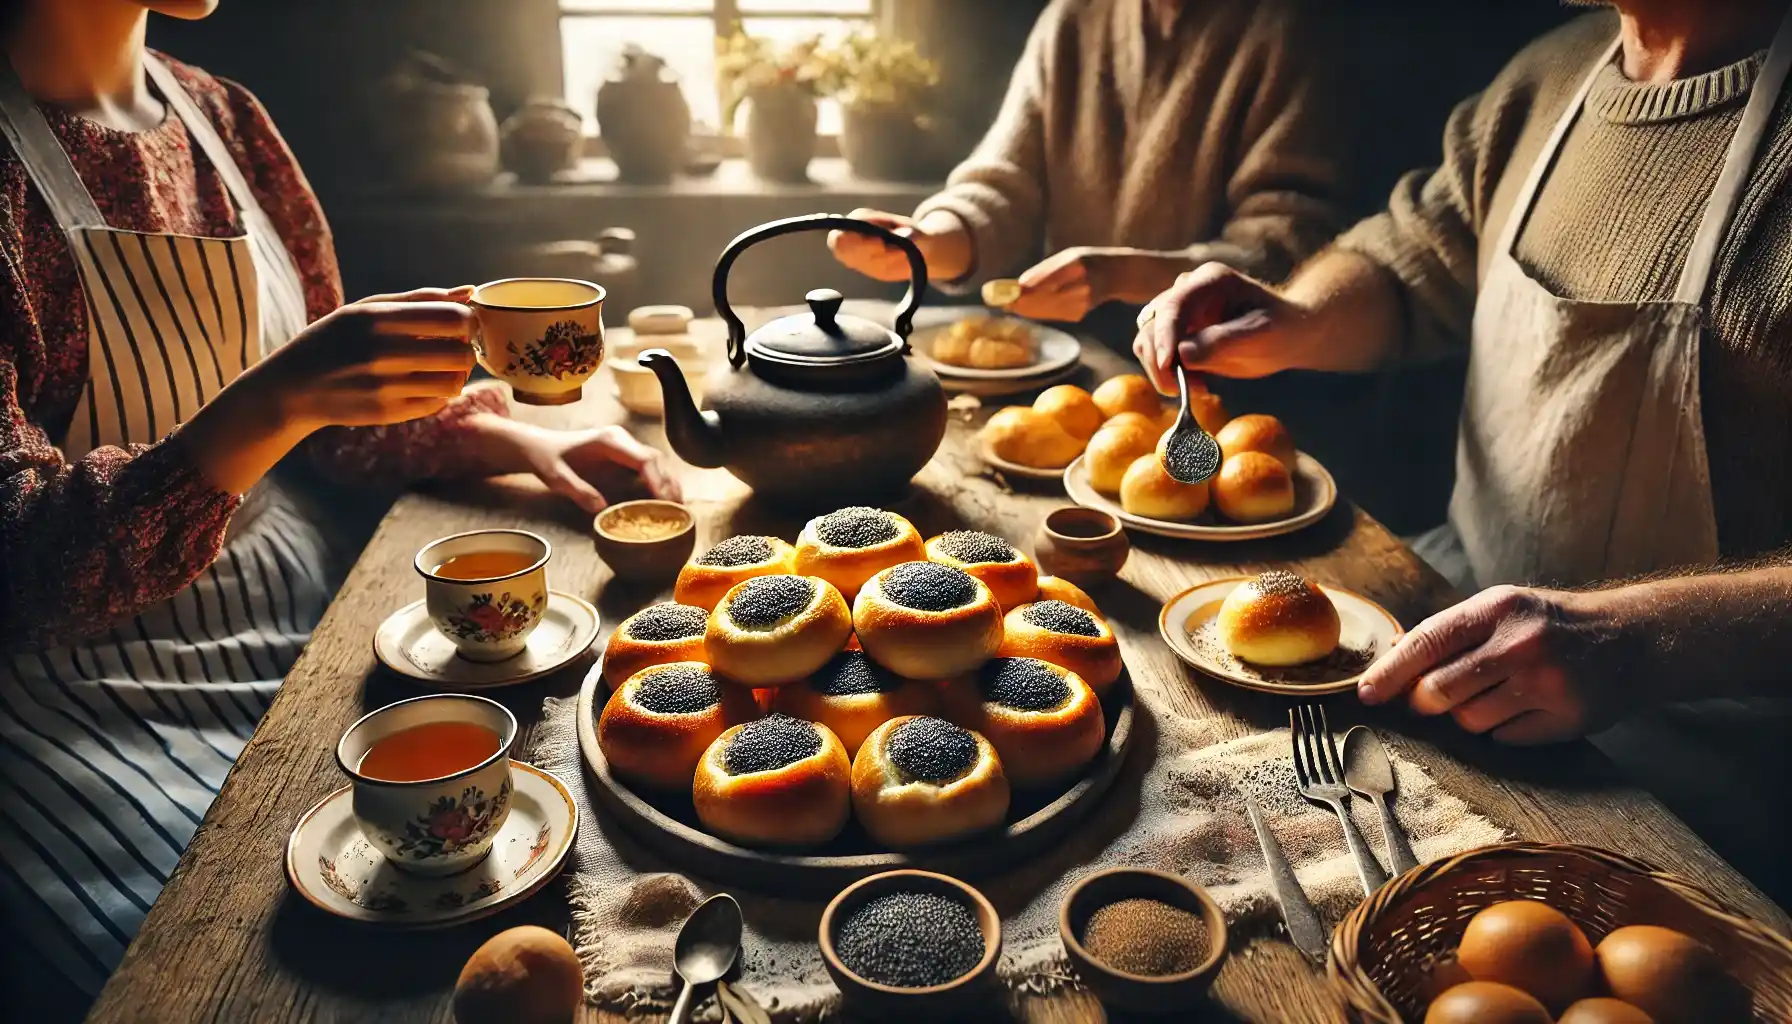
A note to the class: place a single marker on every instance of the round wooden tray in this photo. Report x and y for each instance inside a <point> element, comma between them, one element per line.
<point>667,823</point>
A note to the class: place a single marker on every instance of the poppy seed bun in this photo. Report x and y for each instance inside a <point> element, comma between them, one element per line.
<point>849,546</point>
<point>1257,433</point>
<point>919,780</point>
<point>1055,588</point>
<point>1278,619</point>
<point>1114,448</point>
<point>1252,487</point>
<point>924,620</point>
<point>1072,407</point>
<point>1010,575</point>
<point>704,579</point>
<point>656,725</point>
<point>1128,392</point>
<point>658,634</point>
<point>1044,721</point>
<point>1066,636</point>
<point>1148,490</point>
<point>853,695</point>
<point>773,630</point>
<point>778,781</point>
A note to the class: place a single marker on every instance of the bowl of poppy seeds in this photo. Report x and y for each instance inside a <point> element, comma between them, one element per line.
<point>645,540</point>
<point>908,942</point>
<point>1144,941</point>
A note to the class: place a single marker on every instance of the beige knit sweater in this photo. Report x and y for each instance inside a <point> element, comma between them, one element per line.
<point>1215,139</point>
<point>1613,222</point>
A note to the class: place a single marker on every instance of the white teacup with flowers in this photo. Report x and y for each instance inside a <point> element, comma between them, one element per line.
<point>486,590</point>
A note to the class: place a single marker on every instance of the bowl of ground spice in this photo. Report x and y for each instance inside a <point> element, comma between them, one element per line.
<point>1142,940</point>
<point>645,540</point>
<point>907,943</point>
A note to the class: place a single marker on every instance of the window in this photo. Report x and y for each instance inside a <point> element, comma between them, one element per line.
<point>684,32</point>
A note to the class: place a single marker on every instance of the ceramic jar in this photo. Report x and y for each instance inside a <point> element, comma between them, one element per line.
<point>781,133</point>
<point>643,118</point>
<point>886,143</point>
<point>541,139</point>
<point>1083,545</point>
<point>436,133</point>
<point>488,619</point>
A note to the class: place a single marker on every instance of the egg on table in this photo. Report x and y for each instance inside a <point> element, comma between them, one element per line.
<point>1674,978</point>
<point>525,975</point>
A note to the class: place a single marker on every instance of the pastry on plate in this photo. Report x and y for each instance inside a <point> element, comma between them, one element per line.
<point>1009,573</point>
<point>1278,619</point>
<point>1209,411</point>
<point>656,725</point>
<point>1044,720</point>
<point>1256,432</point>
<point>848,546</point>
<point>1128,392</point>
<point>1066,636</point>
<point>1149,490</point>
<point>920,780</point>
<point>656,635</point>
<point>774,630</point>
<point>704,579</point>
<point>777,781</point>
<point>1252,487</point>
<point>924,620</point>
<point>853,695</point>
<point>1027,437</point>
<point>985,343</point>
<point>1072,408</point>
<point>1116,446</point>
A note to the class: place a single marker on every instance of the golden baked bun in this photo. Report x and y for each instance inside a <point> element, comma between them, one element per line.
<point>1115,447</point>
<point>924,620</point>
<point>1066,636</point>
<point>849,546</point>
<point>1009,573</point>
<point>656,725</point>
<point>774,630</point>
<point>1044,720</point>
<point>1054,588</point>
<point>1209,411</point>
<point>1252,487</point>
<point>1278,619</point>
<point>779,781</point>
<point>1149,490</point>
<point>1073,408</point>
<point>658,634</point>
<point>704,579</point>
<point>919,780</point>
<point>1128,392</point>
<point>1024,435</point>
<point>1256,432</point>
<point>853,695</point>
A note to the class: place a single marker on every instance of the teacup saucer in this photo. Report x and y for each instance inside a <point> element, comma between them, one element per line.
<point>337,870</point>
<point>407,643</point>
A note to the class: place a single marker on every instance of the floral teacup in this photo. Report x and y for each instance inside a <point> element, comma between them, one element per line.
<point>544,336</point>
<point>442,824</point>
<point>490,613</point>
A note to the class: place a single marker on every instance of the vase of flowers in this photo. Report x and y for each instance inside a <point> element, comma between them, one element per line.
<point>885,89</point>
<point>779,88</point>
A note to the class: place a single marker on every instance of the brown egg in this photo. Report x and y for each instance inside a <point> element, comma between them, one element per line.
<point>1128,392</point>
<point>1531,946</point>
<point>1485,1002</point>
<point>525,975</point>
<point>1672,977</point>
<point>1073,408</point>
<point>1603,1011</point>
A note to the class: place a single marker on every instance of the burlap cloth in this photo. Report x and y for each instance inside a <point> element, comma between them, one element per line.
<point>1175,807</point>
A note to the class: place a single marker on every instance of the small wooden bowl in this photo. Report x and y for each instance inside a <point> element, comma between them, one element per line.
<point>888,1001</point>
<point>1138,992</point>
<point>634,558</point>
<point>1083,545</point>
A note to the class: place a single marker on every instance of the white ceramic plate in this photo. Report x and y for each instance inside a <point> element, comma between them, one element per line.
<point>333,866</point>
<point>1367,631</point>
<point>407,643</point>
<point>1315,492</point>
<point>1057,350</point>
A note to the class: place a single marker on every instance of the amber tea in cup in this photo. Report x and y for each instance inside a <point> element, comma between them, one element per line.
<point>486,590</point>
<point>432,750</point>
<point>484,565</point>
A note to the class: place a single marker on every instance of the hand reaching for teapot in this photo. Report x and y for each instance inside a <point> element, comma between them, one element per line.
<point>941,237</point>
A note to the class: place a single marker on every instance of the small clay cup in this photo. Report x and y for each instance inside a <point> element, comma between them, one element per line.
<point>1137,992</point>
<point>657,558</point>
<point>1083,545</point>
<point>951,1001</point>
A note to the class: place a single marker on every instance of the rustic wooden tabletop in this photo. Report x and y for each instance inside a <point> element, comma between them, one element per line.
<point>228,942</point>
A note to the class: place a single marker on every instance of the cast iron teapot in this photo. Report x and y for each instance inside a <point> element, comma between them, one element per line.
<point>820,408</point>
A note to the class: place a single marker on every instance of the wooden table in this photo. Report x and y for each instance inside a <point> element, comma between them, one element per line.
<point>227,942</point>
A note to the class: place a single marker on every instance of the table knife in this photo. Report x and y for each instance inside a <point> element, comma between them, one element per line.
<point>1304,929</point>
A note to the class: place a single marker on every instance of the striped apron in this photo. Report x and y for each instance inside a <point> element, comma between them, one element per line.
<point>112,749</point>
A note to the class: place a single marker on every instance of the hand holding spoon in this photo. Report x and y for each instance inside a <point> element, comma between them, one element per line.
<point>707,946</point>
<point>1189,453</point>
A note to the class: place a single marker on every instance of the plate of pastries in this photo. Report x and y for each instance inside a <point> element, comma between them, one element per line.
<point>1109,451</point>
<point>856,698</point>
<point>1278,632</point>
<point>989,346</point>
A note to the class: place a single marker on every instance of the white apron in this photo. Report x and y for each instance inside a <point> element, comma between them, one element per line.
<point>1582,458</point>
<point>112,749</point>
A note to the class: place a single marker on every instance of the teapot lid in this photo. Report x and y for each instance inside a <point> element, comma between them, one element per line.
<point>822,336</point>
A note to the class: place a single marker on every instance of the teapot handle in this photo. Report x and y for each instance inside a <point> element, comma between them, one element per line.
<point>737,331</point>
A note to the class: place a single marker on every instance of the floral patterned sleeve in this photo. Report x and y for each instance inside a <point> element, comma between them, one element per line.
<point>402,453</point>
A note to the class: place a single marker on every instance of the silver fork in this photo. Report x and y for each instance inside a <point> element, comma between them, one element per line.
<point>1322,782</point>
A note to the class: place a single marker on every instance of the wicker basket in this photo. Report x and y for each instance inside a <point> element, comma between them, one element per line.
<point>1386,956</point>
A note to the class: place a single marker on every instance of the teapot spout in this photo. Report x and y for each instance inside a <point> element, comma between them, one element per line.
<point>696,435</point>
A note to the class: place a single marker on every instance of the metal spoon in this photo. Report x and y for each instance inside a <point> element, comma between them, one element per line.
<point>1369,773</point>
<point>1190,454</point>
<point>707,946</point>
